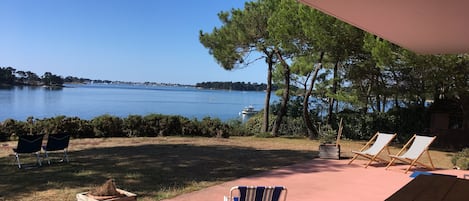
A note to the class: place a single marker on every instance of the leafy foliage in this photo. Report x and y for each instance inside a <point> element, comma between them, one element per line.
<point>10,76</point>
<point>11,127</point>
<point>240,86</point>
<point>132,126</point>
<point>107,126</point>
<point>214,128</point>
<point>461,159</point>
<point>292,126</point>
<point>405,121</point>
<point>327,134</point>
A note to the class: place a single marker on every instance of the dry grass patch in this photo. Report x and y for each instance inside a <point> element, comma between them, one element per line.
<point>160,167</point>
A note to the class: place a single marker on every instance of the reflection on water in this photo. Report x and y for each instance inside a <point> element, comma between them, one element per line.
<point>89,101</point>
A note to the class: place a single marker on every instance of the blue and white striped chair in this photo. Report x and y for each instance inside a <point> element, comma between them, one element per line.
<point>258,193</point>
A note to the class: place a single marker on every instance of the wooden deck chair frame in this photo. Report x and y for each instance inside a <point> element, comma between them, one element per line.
<point>414,161</point>
<point>387,138</point>
<point>57,142</point>
<point>259,193</point>
<point>28,144</point>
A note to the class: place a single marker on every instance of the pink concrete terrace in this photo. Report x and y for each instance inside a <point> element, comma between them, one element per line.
<point>320,179</point>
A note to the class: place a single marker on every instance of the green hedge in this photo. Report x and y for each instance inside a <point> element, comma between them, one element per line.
<point>357,125</point>
<point>130,126</point>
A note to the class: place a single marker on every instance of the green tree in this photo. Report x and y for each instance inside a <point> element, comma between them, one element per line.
<point>50,79</point>
<point>386,70</point>
<point>346,42</point>
<point>284,28</point>
<point>308,38</point>
<point>21,77</point>
<point>369,74</point>
<point>243,39</point>
<point>32,78</point>
<point>7,75</point>
<point>440,77</point>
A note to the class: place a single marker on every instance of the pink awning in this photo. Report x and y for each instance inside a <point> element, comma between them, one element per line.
<point>423,26</point>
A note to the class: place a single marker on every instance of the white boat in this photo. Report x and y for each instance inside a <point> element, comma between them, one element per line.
<point>249,110</point>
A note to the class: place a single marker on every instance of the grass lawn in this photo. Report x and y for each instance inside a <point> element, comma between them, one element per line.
<point>160,167</point>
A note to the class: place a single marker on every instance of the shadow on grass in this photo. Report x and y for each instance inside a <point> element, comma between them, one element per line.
<point>146,169</point>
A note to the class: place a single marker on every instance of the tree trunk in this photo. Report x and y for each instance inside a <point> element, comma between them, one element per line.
<point>334,91</point>
<point>285,97</point>
<point>464,104</point>
<point>378,103</point>
<point>312,131</point>
<point>396,102</point>
<point>265,123</point>
<point>385,100</point>
<point>368,101</point>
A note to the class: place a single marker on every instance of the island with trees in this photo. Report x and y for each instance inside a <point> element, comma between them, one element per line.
<point>10,76</point>
<point>239,86</point>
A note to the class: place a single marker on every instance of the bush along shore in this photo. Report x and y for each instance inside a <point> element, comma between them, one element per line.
<point>112,126</point>
<point>358,126</point>
<point>151,125</point>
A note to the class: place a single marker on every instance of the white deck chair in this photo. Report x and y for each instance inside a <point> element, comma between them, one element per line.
<point>258,193</point>
<point>420,144</point>
<point>371,152</point>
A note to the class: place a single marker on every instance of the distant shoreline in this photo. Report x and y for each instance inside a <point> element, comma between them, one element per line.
<point>238,86</point>
<point>16,77</point>
<point>88,101</point>
<point>30,85</point>
<point>116,83</point>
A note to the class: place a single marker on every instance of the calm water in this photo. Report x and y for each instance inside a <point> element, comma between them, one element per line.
<point>89,101</point>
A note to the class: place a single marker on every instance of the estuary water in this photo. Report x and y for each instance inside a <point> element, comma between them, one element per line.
<point>92,100</point>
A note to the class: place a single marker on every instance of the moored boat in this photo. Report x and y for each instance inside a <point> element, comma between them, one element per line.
<point>249,110</point>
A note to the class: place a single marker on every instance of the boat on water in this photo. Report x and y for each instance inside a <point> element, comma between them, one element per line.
<point>249,110</point>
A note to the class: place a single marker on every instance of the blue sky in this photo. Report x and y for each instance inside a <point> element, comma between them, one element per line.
<point>125,40</point>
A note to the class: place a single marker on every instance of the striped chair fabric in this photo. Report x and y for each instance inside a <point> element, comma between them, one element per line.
<point>259,193</point>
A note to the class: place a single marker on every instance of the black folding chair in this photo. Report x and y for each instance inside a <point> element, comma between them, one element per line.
<point>57,142</point>
<point>28,144</point>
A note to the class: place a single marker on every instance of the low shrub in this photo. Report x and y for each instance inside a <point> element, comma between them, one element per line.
<point>152,126</point>
<point>263,135</point>
<point>327,135</point>
<point>107,126</point>
<point>254,124</point>
<point>133,126</point>
<point>214,128</point>
<point>461,159</point>
<point>11,127</point>
<point>293,126</point>
<point>238,128</point>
